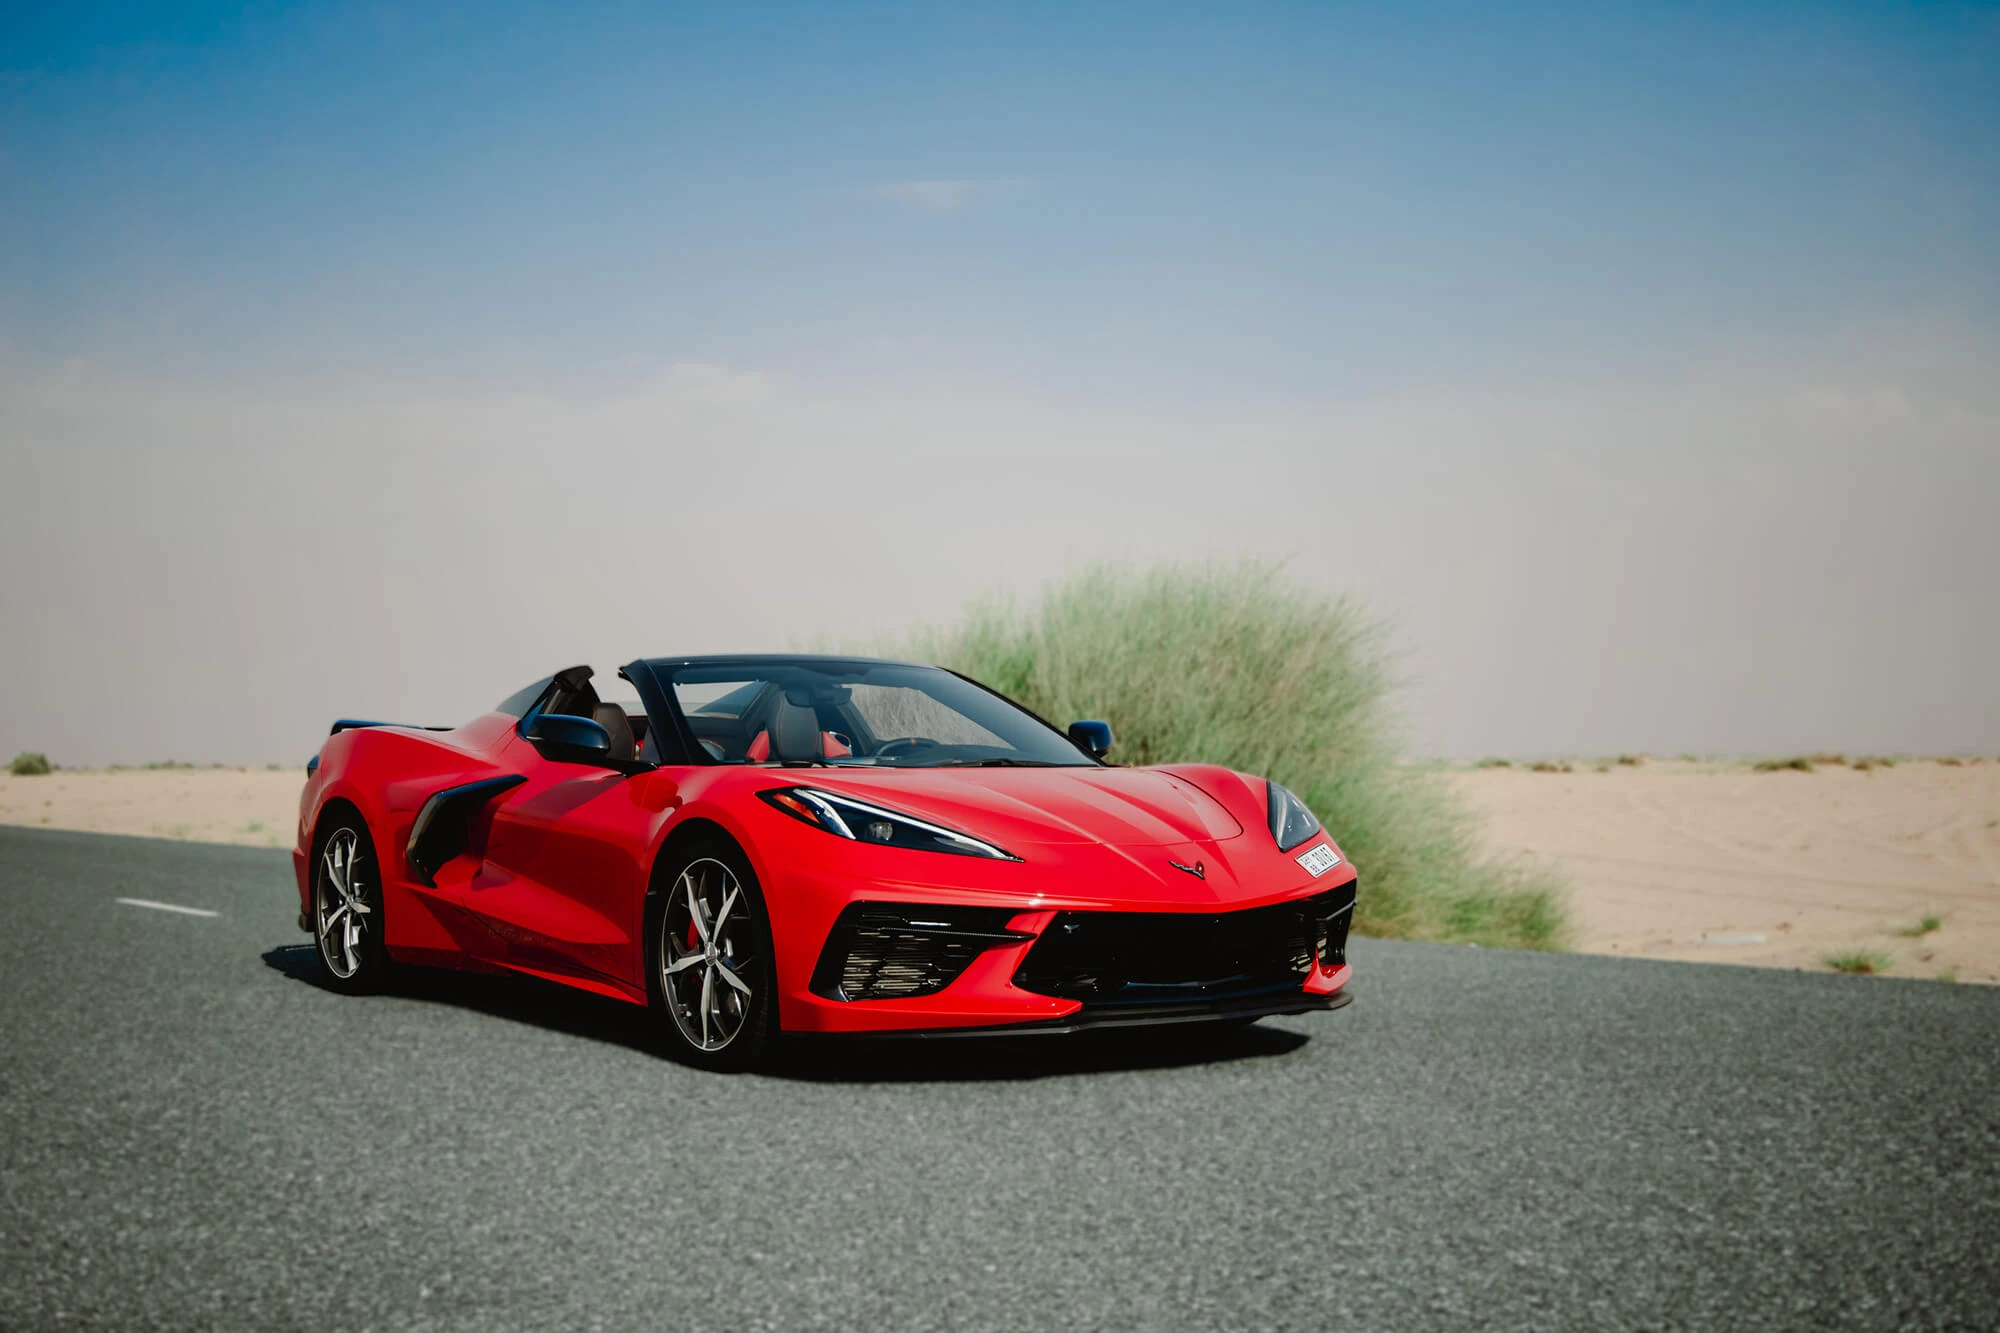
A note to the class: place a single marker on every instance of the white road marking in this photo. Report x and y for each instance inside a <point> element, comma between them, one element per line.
<point>166,907</point>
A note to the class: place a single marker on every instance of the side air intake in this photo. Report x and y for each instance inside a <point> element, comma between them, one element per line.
<point>895,951</point>
<point>442,825</point>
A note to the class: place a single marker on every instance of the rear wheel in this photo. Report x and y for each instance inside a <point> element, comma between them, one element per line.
<point>709,946</point>
<point>347,907</point>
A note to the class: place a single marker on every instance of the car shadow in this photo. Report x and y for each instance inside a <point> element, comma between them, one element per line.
<point>575,1013</point>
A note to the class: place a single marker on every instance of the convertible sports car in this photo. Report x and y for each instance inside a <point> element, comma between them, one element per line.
<point>817,845</point>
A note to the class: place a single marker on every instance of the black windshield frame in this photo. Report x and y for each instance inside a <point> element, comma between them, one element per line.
<point>655,680</point>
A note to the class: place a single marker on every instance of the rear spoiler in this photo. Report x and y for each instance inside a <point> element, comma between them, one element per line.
<point>354,723</point>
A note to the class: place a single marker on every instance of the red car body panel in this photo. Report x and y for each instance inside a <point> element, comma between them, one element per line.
<point>554,877</point>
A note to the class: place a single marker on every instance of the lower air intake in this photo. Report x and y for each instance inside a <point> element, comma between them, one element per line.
<point>1165,957</point>
<point>895,951</point>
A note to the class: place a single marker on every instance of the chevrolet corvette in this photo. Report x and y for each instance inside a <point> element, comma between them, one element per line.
<point>756,845</point>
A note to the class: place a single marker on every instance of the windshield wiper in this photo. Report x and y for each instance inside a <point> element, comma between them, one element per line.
<point>995,763</point>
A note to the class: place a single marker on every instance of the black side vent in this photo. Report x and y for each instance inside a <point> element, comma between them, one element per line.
<point>441,827</point>
<point>1177,957</point>
<point>893,951</point>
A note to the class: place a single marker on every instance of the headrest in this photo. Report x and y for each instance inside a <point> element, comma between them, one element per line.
<point>617,726</point>
<point>794,732</point>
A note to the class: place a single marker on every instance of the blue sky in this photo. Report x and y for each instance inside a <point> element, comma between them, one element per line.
<point>1572,338</point>
<point>1300,199</point>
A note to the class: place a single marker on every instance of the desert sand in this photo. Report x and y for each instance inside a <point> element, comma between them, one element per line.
<point>1722,864</point>
<point>1703,861</point>
<point>256,807</point>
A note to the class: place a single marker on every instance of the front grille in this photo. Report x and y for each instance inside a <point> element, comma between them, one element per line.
<point>894,951</point>
<point>1171,957</point>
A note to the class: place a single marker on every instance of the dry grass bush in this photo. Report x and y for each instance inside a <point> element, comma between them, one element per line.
<point>1235,665</point>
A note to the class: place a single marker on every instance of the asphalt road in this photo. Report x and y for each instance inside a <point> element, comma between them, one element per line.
<point>196,1134</point>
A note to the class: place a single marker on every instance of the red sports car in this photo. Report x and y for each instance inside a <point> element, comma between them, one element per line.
<point>804,844</point>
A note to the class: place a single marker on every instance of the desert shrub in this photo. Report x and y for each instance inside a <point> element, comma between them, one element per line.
<point>1631,760</point>
<point>1235,665</point>
<point>30,764</point>
<point>1833,760</point>
<point>1798,762</point>
<point>1859,962</point>
<point>1494,763</point>
<point>1550,766</point>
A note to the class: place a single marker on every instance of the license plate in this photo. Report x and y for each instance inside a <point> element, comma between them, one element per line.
<point>1320,860</point>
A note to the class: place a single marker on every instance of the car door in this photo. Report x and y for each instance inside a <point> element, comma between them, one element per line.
<point>562,886</point>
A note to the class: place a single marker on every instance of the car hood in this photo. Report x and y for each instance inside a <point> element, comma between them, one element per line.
<point>1120,807</point>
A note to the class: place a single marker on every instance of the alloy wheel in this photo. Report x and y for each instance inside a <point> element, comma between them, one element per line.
<point>342,908</point>
<point>705,958</point>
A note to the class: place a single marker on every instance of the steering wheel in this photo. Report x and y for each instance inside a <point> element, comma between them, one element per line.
<point>904,745</point>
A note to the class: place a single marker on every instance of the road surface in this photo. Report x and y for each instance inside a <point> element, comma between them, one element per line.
<point>197,1134</point>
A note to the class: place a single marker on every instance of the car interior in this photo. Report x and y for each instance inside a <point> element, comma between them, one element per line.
<point>764,722</point>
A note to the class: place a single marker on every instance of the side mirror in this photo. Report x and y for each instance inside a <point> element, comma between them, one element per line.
<point>570,740</point>
<point>1093,738</point>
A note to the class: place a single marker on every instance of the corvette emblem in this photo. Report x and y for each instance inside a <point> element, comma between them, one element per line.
<point>1198,870</point>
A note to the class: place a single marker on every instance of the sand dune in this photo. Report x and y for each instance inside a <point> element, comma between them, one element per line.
<point>1709,862</point>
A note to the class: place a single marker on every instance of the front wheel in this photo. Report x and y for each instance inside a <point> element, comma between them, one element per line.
<point>711,976</point>
<point>347,907</point>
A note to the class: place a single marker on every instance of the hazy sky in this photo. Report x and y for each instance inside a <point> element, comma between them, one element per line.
<point>1641,365</point>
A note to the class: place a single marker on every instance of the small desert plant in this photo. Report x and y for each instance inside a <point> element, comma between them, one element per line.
<point>1948,761</point>
<point>1859,962</point>
<point>1494,763</point>
<point>1690,759</point>
<point>1798,761</point>
<point>1948,976</point>
<point>1549,766</point>
<point>168,763</point>
<point>1922,928</point>
<point>1631,760</point>
<point>30,764</point>
<point>1827,757</point>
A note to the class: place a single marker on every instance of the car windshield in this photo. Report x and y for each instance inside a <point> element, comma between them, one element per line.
<point>848,712</point>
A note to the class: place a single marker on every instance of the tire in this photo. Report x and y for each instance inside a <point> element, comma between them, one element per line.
<point>347,921</point>
<point>713,991</point>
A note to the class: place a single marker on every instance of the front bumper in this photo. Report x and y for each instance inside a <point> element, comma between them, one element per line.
<point>919,966</point>
<point>1090,1018</point>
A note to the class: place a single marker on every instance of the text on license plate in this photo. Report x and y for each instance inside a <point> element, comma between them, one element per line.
<point>1320,860</point>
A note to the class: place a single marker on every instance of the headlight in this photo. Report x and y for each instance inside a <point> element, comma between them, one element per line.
<point>1291,822</point>
<point>859,821</point>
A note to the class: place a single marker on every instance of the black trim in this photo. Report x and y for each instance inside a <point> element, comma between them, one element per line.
<point>670,706</point>
<point>1016,703</point>
<point>442,824</point>
<point>1141,960</point>
<point>520,701</point>
<point>569,678</point>
<point>1091,1019</point>
<point>356,724</point>
<point>900,951</point>
<point>667,731</point>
